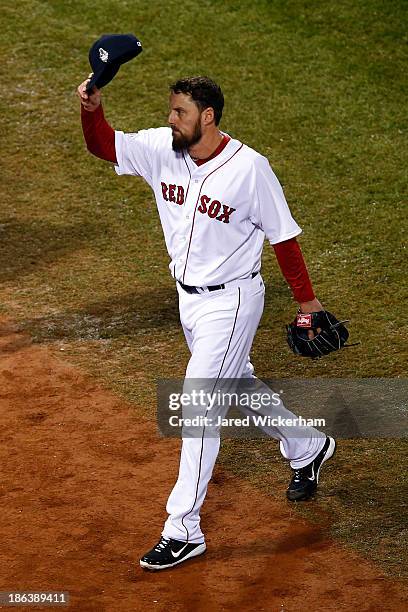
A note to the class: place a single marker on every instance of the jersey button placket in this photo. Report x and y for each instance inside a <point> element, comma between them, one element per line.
<point>187,219</point>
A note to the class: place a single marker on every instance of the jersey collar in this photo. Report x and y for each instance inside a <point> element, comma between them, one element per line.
<point>228,150</point>
<point>224,141</point>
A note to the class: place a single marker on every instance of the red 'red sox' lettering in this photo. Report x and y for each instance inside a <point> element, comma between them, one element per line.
<point>172,196</point>
<point>203,206</point>
<point>226,212</point>
<point>214,208</point>
<point>173,193</point>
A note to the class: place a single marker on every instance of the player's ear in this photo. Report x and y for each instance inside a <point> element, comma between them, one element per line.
<point>208,115</point>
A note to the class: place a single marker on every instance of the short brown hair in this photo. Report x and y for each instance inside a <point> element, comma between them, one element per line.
<point>204,91</point>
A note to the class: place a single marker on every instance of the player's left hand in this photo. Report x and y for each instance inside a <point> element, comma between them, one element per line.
<point>328,334</point>
<point>311,306</point>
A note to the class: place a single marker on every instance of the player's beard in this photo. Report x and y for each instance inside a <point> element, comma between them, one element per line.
<point>181,141</point>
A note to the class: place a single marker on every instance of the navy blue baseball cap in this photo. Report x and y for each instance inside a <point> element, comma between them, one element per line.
<point>107,54</point>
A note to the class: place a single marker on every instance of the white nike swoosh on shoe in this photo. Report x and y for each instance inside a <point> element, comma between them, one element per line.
<point>313,474</point>
<point>199,550</point>
<point>177,554</point>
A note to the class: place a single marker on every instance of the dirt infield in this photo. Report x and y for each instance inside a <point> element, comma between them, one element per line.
<point>83,490</point>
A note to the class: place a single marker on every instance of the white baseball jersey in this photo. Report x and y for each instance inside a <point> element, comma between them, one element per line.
<point>215,216</point>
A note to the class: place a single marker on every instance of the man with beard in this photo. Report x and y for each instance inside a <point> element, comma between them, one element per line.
<point>217,199</point>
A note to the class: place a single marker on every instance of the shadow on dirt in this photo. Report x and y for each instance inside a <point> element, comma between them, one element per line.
<point>125,315</point>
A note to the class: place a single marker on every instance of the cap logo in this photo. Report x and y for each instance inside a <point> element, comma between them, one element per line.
<point>104,55</point>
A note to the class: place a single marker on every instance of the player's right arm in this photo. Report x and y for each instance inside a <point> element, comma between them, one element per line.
<point>98,134</point>
<point>132,153</point>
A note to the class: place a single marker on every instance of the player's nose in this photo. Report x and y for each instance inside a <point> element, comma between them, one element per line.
<point>171,118</point>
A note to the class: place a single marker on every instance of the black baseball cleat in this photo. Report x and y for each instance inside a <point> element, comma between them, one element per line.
<point>305,480</point>
<point>168,552</point>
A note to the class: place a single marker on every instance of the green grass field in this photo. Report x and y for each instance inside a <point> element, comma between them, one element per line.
<point>318,87</point>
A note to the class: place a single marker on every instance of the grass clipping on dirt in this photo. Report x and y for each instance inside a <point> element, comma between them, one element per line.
<point>320,89</point>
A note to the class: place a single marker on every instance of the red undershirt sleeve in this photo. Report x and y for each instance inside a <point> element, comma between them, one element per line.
<point>293,266</point>
<point>99,135</point>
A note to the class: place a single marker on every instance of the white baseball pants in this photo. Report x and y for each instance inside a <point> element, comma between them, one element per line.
<point>219,328</point>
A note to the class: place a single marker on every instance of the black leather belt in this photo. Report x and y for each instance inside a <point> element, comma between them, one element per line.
<point>190,289</point>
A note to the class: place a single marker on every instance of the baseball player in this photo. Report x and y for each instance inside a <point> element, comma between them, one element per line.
<point>217,200</point>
